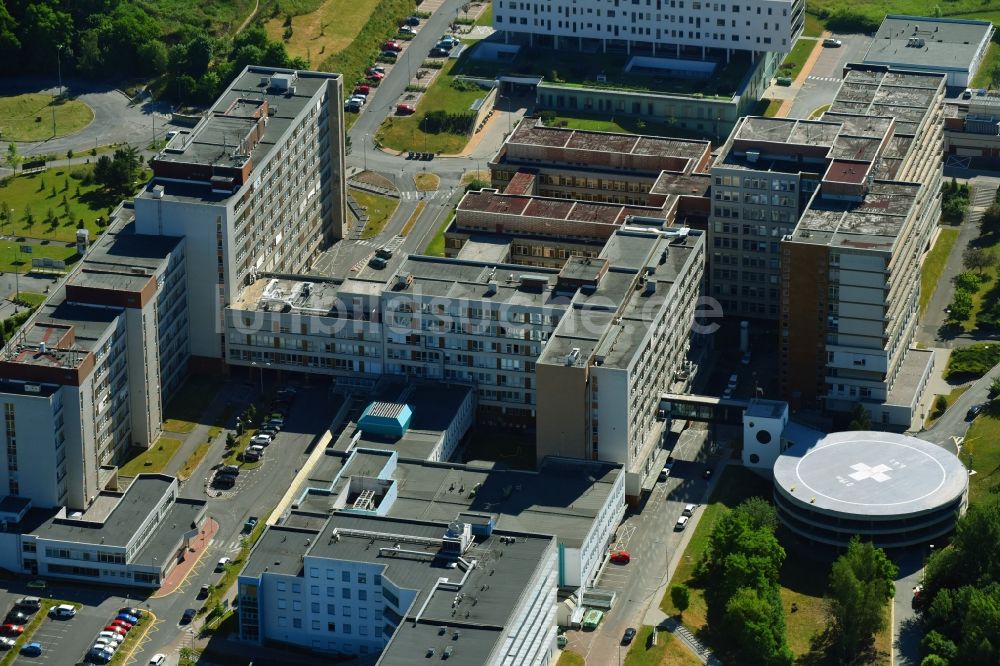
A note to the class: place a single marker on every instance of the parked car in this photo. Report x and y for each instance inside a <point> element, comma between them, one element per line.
<point>918,591</point>
<point>6,643</point>
<point>378,263</point>
<point>277,422</point>
<point>389,55</point>
<point>32,649</point>
<point>358,99</point>
<point>135,612</point>
<point>967,94</point>
<point>203,592</point>
<point>261,439</point>
<point>63,611</point>
<point>158,659</point>
<point>413,20</point>
<point>12,629</point>
<point>16,617</point>
<point>621,557</point>
<point>250,524</point>
<point>187,616</point>
<point>28,604</point>
<point>405,109</point>
<point>111,637</point>
<point>222,563</point>
<point>362,89</point>
<point>628,636</point>
<point>233,470</point>
<point>100,656</point>
<point>374,69</point>
<point>973,412</point>
<point>447,46</point>
<point>354,107</point>
<point>224,481</point>
<point>37,584</point>
<point>829,42</point>
<point>374,76</point>
<point>131,619</point>
<point>407,30</point>
<point>392,45</point>
<point>438,52</point>
<point>664,473</point>
<point>688,510</point>
<point>681,523</point>
<point>117,628</point>
<point>122,623</point>
<point>105,644</point>
<point>451,39</point>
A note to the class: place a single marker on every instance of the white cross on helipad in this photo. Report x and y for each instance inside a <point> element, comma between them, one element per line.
<point>877,473</point>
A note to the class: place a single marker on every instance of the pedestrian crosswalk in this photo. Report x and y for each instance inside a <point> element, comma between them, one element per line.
<point>425,196</point>
<point>827,79</point>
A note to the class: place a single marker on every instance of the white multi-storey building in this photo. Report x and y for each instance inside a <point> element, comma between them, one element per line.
<point>664,27</point>
<point>399,588</point>
<point>87,375</point>
<point>258,185</point>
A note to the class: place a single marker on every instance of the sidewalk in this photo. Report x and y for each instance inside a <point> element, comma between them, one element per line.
<point>788,95</point>
<point>195,550</point>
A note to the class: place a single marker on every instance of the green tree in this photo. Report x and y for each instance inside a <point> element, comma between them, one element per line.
<point>14,158</point>
<point>934,660</point>
<point>680,595</point>
<point>990,222</point>
<point>69,157</point>
<point>860,586</point>
<point>960,308</point>
<point>936,644</point>
<point>755,625</point>
<point>861,418</point>
<point>153,57</point>
<point>941,405</point>
<point>978,258</point>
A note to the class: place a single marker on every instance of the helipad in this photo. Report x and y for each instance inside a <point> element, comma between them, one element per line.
<point>892,489</point>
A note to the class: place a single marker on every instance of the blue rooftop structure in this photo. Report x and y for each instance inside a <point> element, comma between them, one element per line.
<point>386,419</point>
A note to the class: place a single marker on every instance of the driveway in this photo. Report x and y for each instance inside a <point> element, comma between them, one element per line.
<point>821,85</point>
<point>906,632</point>
<point>115,119</point>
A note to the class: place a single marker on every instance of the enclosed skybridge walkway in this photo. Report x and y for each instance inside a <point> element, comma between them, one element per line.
<point>722,411</point>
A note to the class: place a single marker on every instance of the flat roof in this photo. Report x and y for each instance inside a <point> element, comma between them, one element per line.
<point>926,42</point>
<point>863,473</point>
<point>873,223</point>
<point>537,134</point>
<point>563,498</point>
<point>551,208</point>
<point>905,96</point>
<point>117,526</point>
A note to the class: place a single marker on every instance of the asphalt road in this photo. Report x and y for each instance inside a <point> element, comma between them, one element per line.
<point>953,424</point>
<point>651,541</point>
<point>115,120</point>
<point>821,85</point>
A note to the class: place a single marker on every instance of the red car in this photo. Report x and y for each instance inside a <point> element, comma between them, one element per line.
<point>362,90</point>
<point>123,624</point>
<point>392,45</point>
<point>374,76</point>
<point>117,628</point>
<point>405,109</point>
<point>621,557</point>
<point>13,629</point>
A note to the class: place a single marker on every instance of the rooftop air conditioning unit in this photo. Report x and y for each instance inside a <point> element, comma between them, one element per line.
<point>753,156</point>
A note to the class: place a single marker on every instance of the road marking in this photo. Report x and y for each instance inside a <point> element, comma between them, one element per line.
<point>831,79</point>
<point>142,638</point>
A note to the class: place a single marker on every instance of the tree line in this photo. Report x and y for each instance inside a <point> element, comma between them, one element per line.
<point>117,39</point>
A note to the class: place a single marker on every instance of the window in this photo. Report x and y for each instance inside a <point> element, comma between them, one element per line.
<point>314,590</point>
<point>362,578</point>
<point>331,609</point>
<point>347,629</point>
<point>345,593</point>
<point>363,613</point>
<point>331,591</point>
<point>331,626</point>
<point>345,576</point>
<point>281,586</point>
<point>297,622</point>
<point>314,572</point>
<point>296,605</point>
<point>362,595</point>
<point>345,611</point>
<point>314,607</point>
<point>282,604</point>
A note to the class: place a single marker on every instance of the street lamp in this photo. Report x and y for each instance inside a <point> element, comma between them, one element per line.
<point>364,148</point>
<point>59,49</point>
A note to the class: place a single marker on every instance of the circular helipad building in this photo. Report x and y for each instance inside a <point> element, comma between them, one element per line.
<point>890,489</point>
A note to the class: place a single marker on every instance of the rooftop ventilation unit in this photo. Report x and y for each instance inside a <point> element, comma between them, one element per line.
<point>573,356</point>
<point>492,287</point>
<point>650,288</point>
<point>753,156</point>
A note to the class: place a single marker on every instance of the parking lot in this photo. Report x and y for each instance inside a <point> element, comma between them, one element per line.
<point>65,641</point>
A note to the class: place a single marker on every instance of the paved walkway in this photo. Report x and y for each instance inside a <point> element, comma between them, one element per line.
<point>787,94</point>
<point>195,550</point>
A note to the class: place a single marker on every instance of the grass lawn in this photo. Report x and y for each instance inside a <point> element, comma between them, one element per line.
<point>819,111</point>
<point>29,117</point>
<point>404,133</point>
<point>153,459</point>
<point>973,361</point>
<point>486,18</point>
<point>193,461</point>
<point>768,107</point>
<point>668,650</point>
<point>570,658</point>
<point>800,581</point>
<point>380,210</point>
<point>32,298</point>
<point>813,26</point>
<point>427,182</point>
<point>934,263</point>
<point>990,66</point>
<point>11,258</point>
<point>435,248</point>
<point>34,192</point>
<point>414,216</point>
<point>910,7</point>
<point>475,174</point>
<point>184,410</point>
<point>626,125</point>
<point>981,453</point>
<point>797,57</point>
<point>951,397</point>
<point>319,29</point>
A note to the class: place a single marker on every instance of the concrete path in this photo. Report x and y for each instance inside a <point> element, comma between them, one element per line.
<point>197,548</point>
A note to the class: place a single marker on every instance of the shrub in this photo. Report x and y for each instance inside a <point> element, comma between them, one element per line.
<point>437,122</point>
<point>969,281</point>
<point>853,20</point>
<point>464,85</point>
<point>961,306</point>
<point>973,361</point>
